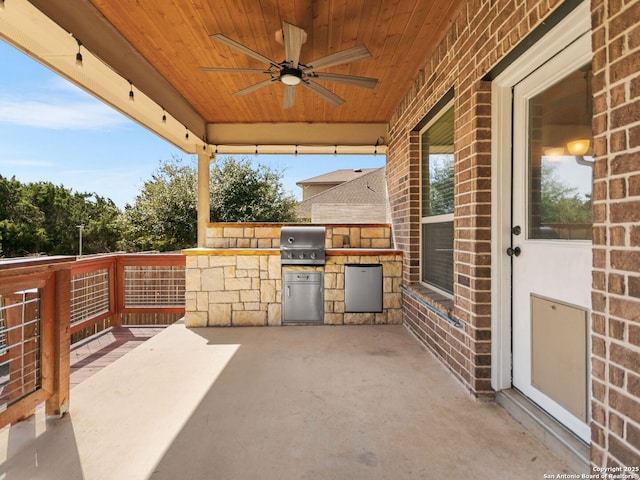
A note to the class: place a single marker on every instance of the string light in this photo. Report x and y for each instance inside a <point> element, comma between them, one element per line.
<point>186,135</point>
<point>164,116</point>
<point>79,55</point>
<point>132,97</point>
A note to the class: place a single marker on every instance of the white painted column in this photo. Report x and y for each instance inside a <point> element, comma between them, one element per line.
<point>204,161</point>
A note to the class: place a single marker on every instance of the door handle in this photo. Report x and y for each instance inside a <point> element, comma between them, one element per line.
<point>516,230</point>
<point>288,291</point>
<point>514,251</point>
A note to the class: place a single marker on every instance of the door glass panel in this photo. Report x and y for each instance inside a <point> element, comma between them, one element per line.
<point>560,160</point>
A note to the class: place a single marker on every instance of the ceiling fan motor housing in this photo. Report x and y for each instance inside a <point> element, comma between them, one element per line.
<point>290,76</point>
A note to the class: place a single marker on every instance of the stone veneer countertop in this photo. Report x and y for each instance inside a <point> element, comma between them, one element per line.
<point>276,251</point>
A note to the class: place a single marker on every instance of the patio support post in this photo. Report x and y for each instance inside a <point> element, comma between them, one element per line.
<point>204,161</point>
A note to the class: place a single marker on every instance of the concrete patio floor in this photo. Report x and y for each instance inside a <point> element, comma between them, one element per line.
<point>349,402</point>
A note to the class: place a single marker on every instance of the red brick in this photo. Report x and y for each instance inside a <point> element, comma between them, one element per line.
<point>635,236</point>
<point>633,384</point>
<point>624,356</point>
<point>618,94</point>
<point>634,186</point>
<point>616,376</point>
<point>634,336</point>
<point>616,329</point>
<point>634,286</point>
<point>617,188</point>
<point>624,404</point>
<point>625,308</point>
<point>622,452</point>
<point>619,23</point>
<point>616,284</point>
<point>626,260</point>
<point>616,424</point>
<point>618,236</point>
<point>629,113</point>
<point>625,212</point>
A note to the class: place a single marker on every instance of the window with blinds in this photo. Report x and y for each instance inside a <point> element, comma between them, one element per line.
<point>437,183</point>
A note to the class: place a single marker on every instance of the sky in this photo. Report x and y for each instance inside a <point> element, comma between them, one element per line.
<point>51,130</point>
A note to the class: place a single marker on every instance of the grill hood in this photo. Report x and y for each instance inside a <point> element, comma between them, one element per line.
<point>302,245</point>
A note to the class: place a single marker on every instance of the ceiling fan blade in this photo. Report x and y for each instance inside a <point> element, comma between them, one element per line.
<point>238,46</point>
<point>329,96</point>
<point>254,87</point>
<point>365,82</point>
<point>358,52</point>
<point>233,70</point>
<point>289,96</point>
<point>294,37</point>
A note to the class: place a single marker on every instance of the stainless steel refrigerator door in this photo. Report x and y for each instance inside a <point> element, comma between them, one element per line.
<point>363,288</point>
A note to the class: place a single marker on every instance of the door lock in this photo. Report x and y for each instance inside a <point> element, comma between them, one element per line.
<point>516,230</point>
<point>514,251</point>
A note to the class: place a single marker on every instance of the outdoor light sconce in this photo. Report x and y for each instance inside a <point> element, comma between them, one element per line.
<point>578,148</point>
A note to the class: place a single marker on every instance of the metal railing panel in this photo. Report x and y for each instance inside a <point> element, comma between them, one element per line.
<point>20,345</point>
<point>90,295</point>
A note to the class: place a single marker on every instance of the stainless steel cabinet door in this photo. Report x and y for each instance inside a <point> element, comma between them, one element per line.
<point>302,297</point>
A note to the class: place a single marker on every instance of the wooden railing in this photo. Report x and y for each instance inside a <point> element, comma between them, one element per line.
<point>44,301</point>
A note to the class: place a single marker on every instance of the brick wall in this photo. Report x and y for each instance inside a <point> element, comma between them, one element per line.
<point>616,253</point>
<point>480,35</point>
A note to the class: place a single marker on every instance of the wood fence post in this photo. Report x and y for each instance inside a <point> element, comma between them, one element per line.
<point>58,404</point>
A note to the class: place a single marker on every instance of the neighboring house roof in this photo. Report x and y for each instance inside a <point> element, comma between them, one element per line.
<point>337,176</point>
<point>367,189</point>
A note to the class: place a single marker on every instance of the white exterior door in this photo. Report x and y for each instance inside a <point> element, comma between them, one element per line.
<point>551,232</point>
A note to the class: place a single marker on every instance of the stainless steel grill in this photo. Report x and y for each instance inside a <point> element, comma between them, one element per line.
<point>302,245</point>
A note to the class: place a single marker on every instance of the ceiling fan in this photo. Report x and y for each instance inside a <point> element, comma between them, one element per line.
<point>291,72</point>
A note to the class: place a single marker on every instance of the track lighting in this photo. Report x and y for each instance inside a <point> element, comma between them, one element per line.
<point>79,55</point>
<point>132,97</point>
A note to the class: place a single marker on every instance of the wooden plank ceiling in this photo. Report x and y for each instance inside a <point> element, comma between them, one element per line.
<point>174,37</point>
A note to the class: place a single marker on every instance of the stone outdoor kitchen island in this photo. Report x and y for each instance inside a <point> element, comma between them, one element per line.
<point>236,280</point>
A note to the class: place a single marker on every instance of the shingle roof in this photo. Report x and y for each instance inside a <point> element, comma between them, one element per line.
<point>337,176</point>
<point>367,189</point>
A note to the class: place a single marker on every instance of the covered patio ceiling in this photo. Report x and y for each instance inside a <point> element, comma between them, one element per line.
<point>156,48</point>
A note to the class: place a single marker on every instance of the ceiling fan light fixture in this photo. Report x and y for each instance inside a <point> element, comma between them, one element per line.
<point>291,76</point>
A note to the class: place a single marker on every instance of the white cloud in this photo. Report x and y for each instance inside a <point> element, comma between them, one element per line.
<point>59,114</point>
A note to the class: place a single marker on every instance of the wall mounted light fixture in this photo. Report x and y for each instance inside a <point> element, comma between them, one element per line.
<point>579,147</point>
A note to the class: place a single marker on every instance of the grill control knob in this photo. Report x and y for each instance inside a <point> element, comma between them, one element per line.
<point>290,255</point>
<point>313,256</point>
<point>302,255</point>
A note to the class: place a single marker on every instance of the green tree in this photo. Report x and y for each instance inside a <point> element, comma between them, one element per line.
<point>240,193</point>
<point>43,218</point>
<point>440,186</point>
<point>562,203</point>
<point>21,223</point>
<point>164,215</point>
